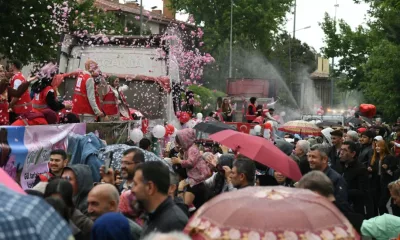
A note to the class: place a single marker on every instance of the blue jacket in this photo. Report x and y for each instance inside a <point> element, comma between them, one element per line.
<point>339,184</point>
<point>84,149</point>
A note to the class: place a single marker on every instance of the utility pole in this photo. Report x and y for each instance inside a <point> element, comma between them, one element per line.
<point>141,17</point>
<point>333,62</point>
<point>294,19</point>
<point>231,43</point>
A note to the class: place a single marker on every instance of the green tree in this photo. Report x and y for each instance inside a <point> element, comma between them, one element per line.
<point>30,30</point>
<point>254,21</point>
<point>367,55</point>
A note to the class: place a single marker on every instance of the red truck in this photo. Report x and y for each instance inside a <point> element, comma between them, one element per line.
<point>241,90</point>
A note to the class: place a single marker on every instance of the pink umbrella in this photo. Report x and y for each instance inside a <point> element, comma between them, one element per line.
<point>7,181</point>
<point>259,149</point>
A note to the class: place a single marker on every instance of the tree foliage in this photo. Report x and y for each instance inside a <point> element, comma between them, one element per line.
<point>254,21</point>
<point>31,30</point>
<point>369,55</point>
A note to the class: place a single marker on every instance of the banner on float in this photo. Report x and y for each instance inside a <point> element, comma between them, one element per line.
<point>27,149</point>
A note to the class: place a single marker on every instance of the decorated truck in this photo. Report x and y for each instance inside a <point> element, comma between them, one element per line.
<point>137,59</point>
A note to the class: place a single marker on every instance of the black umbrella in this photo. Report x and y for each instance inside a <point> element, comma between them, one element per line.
<point>213,127</point>
<point>358,121</point>
<point>329,124</point>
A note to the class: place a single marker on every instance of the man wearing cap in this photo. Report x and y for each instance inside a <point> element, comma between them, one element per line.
<point>86,101</point>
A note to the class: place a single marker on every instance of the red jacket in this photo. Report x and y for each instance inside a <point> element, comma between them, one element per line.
<point>253,116</point>
<point>81,103</point>
<point>110,103</point>
<point>39,101</point>
<point>23,105</point>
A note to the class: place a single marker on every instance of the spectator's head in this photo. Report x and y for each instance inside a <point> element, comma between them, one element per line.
<point>337,138</point>
<point>319,183</point>
<point>367,137</point>
<point>348,151</point>
<point>145,144</point>
<point>151,184</point>
<point>60,207</point>
<point>111,226</point>
<point>351,136</point>
<point>253,100</point>
<point>60,188</point>
<point>302,148</point>
<point>103,198</point>
<point>243,173</point>
<point>279,177</point>
<point>378,121</point>
<point>58,161</point>
<point>130,158</point>
<point>16,65</point>
<point>318,157</point>
<point>394,188</point>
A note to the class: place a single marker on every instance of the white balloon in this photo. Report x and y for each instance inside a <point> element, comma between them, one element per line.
<point>175,132</point>
<point>158,131</point>
<point>136,135</point>
<point>283,114</point>
<point>257,128</point>
<point>199,116</point>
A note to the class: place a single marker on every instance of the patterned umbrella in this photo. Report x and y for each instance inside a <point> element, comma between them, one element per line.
<point>118,150</point>
<point>24,217</point>
<point>269,213</point>
<point>301,127</point>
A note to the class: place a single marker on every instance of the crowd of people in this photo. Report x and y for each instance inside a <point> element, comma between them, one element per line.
<point>357,168</point>
<point>357,172</point>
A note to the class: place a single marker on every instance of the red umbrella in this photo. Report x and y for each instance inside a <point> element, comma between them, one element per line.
<point>260,150</point>
<point>269,213</point>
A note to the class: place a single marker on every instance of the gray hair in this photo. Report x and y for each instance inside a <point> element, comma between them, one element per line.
<point>395,187</point>
<point>353,135</point>
<point>304,145</point>
<point>167,236</point>
<point>322,149</point>
<point>317,181</point>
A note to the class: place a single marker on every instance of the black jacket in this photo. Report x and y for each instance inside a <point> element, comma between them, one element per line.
<point>338,183</point>
<point>387,175</point>
<point>304,165</point>
<point>334,160</point>
<point>168,217</point>
<point>356,176</point>
<point>365,155</point>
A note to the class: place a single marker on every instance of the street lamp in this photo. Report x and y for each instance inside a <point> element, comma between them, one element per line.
<point>290,54</point>
<point>230,42</point>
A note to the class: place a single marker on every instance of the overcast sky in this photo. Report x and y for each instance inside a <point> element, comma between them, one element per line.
<point>309,13</point>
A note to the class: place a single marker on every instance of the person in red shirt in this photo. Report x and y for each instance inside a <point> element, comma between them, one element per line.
<point>114,104</point>
<point>86,100</point>
<point>45,96</point>
<point>22,104</point>
<point>5,92</point>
